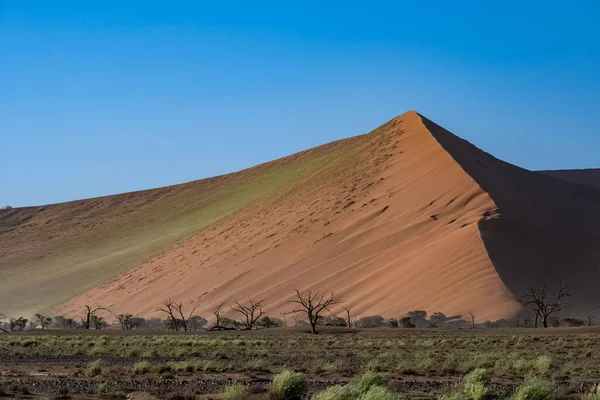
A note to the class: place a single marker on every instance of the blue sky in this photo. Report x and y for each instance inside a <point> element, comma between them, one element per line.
<point>104,97</point>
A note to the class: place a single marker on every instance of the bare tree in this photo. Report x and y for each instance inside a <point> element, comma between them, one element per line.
<point>249,313</point>
<point>98,322</point>
<point>218,313</point>
<point>472,319</point>
<point>90,315</point>
<point>126,321</point>
<point>176,314</point>
<point>313,304</point>
<point>592,316</point>
<point>538,300</point>
<point>17,324</point>
<point>348,310</point>
<point>43,321</point>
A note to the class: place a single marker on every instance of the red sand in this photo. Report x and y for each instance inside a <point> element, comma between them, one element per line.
<point>418,219</point>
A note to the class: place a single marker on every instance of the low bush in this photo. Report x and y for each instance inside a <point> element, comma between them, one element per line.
<point>142,367</point>
<point>381,393</point>
<point>593,394</point>
<point>234,392</point>
<point>476,384</point>
<point>347,392</point>
<point>543,364</point>
<point>287,385</point>
<point>94,368</point>
<point>369,380</point>
<point>536,389</point>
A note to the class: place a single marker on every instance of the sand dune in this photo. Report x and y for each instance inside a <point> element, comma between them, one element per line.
<point>408,216</point>
<point>590,177</point>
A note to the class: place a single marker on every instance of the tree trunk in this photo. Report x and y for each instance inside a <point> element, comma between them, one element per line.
<point>537,314</point>
<point>313,328</point>
<point>545,321</point>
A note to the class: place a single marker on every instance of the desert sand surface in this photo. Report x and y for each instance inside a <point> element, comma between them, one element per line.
<point>406,217</point>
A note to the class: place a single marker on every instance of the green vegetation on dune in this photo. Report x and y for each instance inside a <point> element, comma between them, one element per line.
<point>98,246</point>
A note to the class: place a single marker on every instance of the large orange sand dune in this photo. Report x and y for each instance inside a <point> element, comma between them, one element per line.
<point>409,217</point>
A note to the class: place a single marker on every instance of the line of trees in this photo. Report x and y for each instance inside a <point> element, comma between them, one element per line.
<point>312,305</point>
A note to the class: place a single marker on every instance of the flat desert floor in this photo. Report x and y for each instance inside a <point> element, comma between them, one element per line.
<point>416,363</point>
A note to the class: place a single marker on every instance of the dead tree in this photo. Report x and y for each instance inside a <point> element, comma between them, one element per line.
<point>218,313</point>
<point>313,304</point>
<point>538,300</point>
<point>17,324</point>
<point>472,319</point>
<point>250,314</point>
<point>43,320</point>
<point>592,316</point>
<point>176,314</point>
<point>126,321</point>
<point>348,309</point>
<point>99,322</point>
<point>90,314</point>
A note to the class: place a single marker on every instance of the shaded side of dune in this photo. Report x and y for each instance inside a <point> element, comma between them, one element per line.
<point>589,177</point>
<point>546,230</point>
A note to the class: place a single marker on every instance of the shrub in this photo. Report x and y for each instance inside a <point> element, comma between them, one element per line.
<point>594,394</point>
<point>102,388</point>
<point>460,395</point>
<point>347,392</point>
<point>372,391</point>
<point>369,380</point>
<point>287,385</point>
<point>476,384</point>
<point>234,392</point>
<point>543,364</point>
<point>94,368</point>
<point>141,367</point>
<point>381,393</point>
<point>536,389</point>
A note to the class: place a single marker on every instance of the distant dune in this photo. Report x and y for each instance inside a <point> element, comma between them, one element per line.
<point>590,177</point>
<point>408,216</point>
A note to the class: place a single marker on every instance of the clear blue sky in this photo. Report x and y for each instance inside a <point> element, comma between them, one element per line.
<point>101,97</point>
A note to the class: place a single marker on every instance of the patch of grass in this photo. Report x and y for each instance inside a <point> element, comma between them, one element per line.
<point>94,368</point>
<point>536,389</point>
<point>476,384</point>
<point>287,385</point>
<point>102,388</point>
<point>346,392</point>
<point>593,394</point>
<point>370,379</point>
<point>142,367</point>
<point>543,364</point>
<point>235,391</point>
<point>381,393</point>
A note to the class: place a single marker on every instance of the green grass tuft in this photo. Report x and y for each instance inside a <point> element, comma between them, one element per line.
<point>476,384</point>
<point>235,391</point>
<point>536,389</point>
<point>287,385</point>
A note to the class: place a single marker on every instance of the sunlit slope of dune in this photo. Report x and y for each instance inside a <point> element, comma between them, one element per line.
<point>406,217</point>
<point>390,227</point>
<point>51,253</point>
